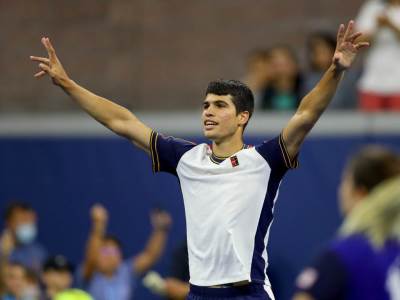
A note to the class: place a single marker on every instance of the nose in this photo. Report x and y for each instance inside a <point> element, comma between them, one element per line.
<point>208,112</point>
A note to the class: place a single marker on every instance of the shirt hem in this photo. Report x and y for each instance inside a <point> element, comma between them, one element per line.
<point>219,281</point>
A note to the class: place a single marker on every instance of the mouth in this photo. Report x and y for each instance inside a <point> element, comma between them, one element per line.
<point>209,125</point>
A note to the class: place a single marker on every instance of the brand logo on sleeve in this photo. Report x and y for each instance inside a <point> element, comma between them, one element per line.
<point>234,161</point>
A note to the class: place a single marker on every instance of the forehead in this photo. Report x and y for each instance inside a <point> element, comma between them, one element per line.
<point>213,98</point>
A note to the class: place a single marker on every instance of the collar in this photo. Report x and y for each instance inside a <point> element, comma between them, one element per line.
<point>219,159</point>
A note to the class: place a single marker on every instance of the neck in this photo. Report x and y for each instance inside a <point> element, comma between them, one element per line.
<point>227,147</point>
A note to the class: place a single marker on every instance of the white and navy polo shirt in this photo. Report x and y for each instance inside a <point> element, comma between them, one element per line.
<point>228,205</point>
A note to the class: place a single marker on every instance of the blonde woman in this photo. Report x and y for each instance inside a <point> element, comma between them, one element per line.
<point>363,262</point>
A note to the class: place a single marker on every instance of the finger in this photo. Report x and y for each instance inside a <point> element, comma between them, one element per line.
<point>50,45</point>
<point>340,33</point>
<point>355,36</point>
<point>40,59</point>
<point>44,67</point>
<point>49,48</point>
<point>39,74</point>
<point>362,45</point>
<point>349,30</point>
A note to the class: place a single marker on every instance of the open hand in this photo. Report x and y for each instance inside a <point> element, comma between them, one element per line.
<point>50,65</point>
<point>346,46</point>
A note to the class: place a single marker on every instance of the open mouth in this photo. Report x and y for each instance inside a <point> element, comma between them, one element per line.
<point>210,124</point>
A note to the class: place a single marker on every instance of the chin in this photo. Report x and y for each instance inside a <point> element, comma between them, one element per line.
<point>210,135</point>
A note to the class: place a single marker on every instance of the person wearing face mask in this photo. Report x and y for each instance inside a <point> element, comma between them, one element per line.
<point>18,240</point>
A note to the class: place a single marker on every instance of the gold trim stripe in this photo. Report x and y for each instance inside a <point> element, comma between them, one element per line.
<point>157,158</point>
<point>151,150</point>
<point>289,162</point>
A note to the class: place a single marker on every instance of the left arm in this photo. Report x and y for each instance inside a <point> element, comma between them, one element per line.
<point>314,104</point>
<point>385,21</point>
<point>155,246</point>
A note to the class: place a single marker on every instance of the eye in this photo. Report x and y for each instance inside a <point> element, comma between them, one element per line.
<point>206,105</point>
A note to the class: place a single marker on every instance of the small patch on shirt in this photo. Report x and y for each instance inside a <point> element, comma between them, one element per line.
<point>234,161</point>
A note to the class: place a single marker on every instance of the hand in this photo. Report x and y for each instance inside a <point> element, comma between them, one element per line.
<point>161,220</point>
<point>99,214</point>
<point>7,243</point>
<point>51,65</point>
<point>346,46</point>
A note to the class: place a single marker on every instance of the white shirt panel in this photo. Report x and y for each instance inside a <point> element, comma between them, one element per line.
<point>223,206</point>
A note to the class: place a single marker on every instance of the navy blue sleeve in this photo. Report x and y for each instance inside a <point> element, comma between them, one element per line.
<point>167,151</point>
<point>325,279</point>
<point>275,153</point>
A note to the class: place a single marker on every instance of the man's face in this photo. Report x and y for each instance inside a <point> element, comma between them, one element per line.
<point>219,117</point>
<point>109,257</point>
<point>57,280</point>
<point>15,280</point>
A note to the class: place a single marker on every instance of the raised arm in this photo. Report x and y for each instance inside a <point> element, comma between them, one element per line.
<point>315,102</point>
<point>115,117</point>
<point>99,216</point>
<point>161,222</point>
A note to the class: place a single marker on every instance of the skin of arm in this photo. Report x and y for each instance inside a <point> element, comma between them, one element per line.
<point>115,117</point>
<point>384,21</point>
<point>314,103</point>
<point>176,289</point>
<point>99,217</point>
<point>302,296</point>
<point>7,246</point>
<point>161,222</point>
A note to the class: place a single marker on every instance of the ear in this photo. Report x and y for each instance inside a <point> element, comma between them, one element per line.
<point>243,118</point>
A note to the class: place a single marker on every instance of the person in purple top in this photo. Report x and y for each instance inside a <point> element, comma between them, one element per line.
<point>363,262</point>
<point>104,273</point>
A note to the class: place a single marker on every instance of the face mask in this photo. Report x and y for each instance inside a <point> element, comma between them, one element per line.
<point>26,233</point>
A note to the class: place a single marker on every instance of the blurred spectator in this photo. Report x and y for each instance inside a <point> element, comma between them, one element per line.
<point>259,74</point>
<point>362,263</point>
<point>176,285</point>
<point>104,274</point>
<point>17,284</point>
<point>320,49</point>
<point>18,240</point>
<point>380,83</point>
<point>284,91</point>
<point>57,279</point>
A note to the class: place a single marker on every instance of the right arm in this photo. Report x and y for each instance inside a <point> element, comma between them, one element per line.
<point>99,218</point>
<point>115,117</point>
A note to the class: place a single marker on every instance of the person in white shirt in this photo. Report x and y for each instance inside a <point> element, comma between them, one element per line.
<point>229,189</point>
<point>379,85</point>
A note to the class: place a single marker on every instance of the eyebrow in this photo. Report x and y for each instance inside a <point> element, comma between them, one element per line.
<point>215,101</point>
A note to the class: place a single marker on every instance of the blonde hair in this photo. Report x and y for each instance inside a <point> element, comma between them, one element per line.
<point>378,215</point>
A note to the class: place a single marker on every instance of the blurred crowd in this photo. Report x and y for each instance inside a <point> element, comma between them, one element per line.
<point>28,272</point>
<point>279,81</point>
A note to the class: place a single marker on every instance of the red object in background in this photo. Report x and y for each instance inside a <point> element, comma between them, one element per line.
<point>371,102</point>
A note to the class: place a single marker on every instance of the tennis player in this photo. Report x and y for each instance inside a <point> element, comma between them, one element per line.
<point>229,189</point>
